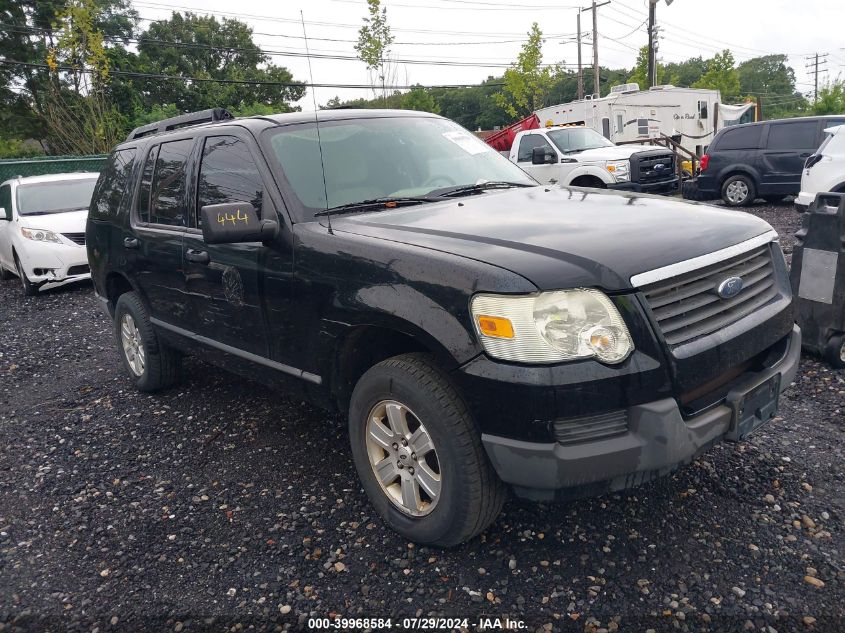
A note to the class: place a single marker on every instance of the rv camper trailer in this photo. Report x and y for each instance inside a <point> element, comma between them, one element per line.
<point>690,115</point>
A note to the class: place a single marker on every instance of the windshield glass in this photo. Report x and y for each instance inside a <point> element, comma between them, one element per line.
<point>40,198</point>
<point>577,139</point>
<point>373,158</point>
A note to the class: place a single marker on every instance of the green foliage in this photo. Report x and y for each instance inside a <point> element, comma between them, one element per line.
<point>640,74</point>
<point>527,81</point>
<point>721,75</point>
<point>420,99</point>
<point>373,47</point>
<point>16,148</point>
<point>770,78</point>
<point>831,99</point>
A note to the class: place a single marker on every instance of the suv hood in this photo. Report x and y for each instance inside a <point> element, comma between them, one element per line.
<point>561,238</point>
<point>64,222</point>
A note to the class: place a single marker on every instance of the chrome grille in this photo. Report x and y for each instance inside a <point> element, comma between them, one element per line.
<point>78,238</point>
<point>687,306</point>
<point>591,427</point>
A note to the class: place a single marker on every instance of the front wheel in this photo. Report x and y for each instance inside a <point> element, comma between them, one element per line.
<point>151,365</point>
<point>738,191</point>
<point>835,351</point>
<point>29,289</point>
<point>419,455</point>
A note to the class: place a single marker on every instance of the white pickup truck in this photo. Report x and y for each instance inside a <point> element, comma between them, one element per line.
<point>581,157</point>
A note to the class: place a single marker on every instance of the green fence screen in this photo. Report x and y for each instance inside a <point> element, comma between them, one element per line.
<point>41,165</point>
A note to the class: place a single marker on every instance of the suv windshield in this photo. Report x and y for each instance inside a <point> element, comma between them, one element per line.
<point>57,196</point>
<point>573,140</point>
<point>370,159</point>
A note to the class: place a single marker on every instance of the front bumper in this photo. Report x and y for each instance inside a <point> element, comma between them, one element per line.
<point>48,263</point>
<point>664,186</point>
<point>658,440</point>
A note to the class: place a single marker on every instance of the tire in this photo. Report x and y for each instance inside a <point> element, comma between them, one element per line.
<point>834,353</point>
<point>470,494</point>
<point>738,191</point>
<point>29,289</point>
<point>160,366</point>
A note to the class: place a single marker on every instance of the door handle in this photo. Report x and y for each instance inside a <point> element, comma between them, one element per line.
<point>198,257</point>
<point>130,242</point>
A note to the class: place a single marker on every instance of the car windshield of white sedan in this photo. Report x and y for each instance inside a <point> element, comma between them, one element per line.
<point>42,198</point>
<point>574,140</point>
<point>374,158</point>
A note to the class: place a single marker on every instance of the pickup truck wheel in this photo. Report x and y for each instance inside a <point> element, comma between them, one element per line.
<point>151,365</point>
<point>738,191</point>
<point>418,453</point>
<point>835,351</point>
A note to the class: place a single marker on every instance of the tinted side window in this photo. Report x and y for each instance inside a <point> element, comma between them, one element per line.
<point>527,145</point>
<point>740,138</point>
<point>146,181</point>
<point>228,174</point>
<point>6,200</point>
<point>797,135</point>
<point>112,186</point>
<point>167,194</point>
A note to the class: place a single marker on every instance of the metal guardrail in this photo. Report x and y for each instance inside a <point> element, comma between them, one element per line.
<point>41,165</point>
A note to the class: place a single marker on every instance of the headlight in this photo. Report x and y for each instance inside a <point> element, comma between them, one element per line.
<point>619,168</point>
<point>551,327</point>
<point>40,235</point>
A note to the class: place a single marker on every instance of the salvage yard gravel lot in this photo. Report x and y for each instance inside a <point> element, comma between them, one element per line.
<point>218,505</point>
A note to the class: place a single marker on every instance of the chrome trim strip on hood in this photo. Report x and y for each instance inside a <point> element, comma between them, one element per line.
<point>688,265</point>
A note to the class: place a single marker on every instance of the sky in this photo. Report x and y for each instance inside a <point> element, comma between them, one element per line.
<point>484,36</point>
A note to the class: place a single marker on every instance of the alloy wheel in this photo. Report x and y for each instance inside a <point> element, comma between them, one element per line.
<point>133,346</point>
<point>403,458</point>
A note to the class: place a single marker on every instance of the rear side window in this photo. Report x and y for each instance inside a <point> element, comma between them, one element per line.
<point>740,138</point>
<point>113,183</point>
<point>6,200</point>
<point>797,135</point>
<point>167,193</point>
<point>146,182</point>
<point>228,173</point>
<point>527,144</point>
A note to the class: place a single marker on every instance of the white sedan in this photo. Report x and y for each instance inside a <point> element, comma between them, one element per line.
<point>42,228</point>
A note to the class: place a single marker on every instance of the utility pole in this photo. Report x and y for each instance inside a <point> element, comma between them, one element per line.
<point>580,74</point>
<point>652,74</point>
<point>814,64</point>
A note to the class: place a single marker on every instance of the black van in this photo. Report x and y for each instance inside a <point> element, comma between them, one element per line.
<point>758,160</point>
<point>476,328</point>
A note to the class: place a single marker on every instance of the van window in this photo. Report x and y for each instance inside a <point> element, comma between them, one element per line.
<point>740,138</point>
<point>228,173</point>
<point>146,181</point>
<point>167,193</point>
<point>792,135</point>
<point>6,200</point>
<point>527,145</point>
<point>114,182</point>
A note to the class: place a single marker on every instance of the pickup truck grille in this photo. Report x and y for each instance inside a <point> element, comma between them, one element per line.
<point>647,169</point>
<point>78,238</point>
<point>687,306</point>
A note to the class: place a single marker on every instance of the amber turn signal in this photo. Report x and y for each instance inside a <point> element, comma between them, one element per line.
<point>499,327</point>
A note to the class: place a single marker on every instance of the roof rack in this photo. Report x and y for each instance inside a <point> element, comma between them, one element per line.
<point>212,115</point>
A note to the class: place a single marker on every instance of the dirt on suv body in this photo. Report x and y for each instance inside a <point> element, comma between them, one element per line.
<point>478,329</point>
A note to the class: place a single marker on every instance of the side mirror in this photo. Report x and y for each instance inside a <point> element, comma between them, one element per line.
<point>235,222</point>
<point>542,156</point>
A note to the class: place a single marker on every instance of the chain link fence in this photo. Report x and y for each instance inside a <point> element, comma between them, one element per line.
<point>41,165</point>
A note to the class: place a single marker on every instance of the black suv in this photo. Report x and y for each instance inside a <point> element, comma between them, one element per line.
<point>478,329</point>
<point>758,160</point>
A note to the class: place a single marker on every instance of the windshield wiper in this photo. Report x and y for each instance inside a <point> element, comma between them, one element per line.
<point>364,205</point>
<point>466,190</point>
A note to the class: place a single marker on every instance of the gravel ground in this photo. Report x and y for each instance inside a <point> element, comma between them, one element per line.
<point>220,506</point>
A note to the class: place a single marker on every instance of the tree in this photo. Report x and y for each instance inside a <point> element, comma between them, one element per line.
<point>421,100</point>
<point>770,78</point>
<point>721,75</point>
<point>527,81</point>
<point>639,75</point>
<point>374,40</point>
<point>216,53</point>
<point>831,98</point>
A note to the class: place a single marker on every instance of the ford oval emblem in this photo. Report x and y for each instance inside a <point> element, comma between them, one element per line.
<point>659,167</point>
<point>729,288</point>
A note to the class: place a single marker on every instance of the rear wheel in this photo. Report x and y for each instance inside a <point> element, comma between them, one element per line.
<point>151,365</point>
<point>419,455</point>
<point>29,289</point>
<point>835,351</point>
<point>738,191</point>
